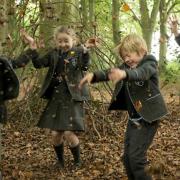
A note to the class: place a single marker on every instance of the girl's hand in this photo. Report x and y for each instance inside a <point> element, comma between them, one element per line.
<point>173,22</point>
<point>28,39</point>
<point>92,42</point>
<point>41,43</point>
<point>86,79</point>
<point>116,75</point>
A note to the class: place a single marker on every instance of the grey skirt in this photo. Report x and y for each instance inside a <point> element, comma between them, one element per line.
<point>62,113</point>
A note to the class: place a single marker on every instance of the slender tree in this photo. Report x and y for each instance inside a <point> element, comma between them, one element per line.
<point>84,13</point>
<point>166,7</point>
<point>148,19</point>
<point>3,35</point>
<point>11,12</point>
<point>92,17</point>
<point>3,24</point>
<point>56,13</point>
<point>115,21</point>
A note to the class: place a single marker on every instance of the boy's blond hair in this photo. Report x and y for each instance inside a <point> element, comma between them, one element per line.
<point>132,43</point>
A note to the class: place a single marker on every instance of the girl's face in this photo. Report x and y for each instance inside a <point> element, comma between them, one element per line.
<point>64,42</point>
<point>132,59</point>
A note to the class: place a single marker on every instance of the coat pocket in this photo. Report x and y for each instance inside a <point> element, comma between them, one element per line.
<point>154,107</point>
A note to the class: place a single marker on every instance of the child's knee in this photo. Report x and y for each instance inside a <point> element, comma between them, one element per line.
<point>69,135</point>
<point>71,138</point>
<point>57,137</point>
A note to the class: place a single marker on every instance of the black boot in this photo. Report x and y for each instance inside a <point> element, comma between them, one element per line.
<point>60,154</point>
<point>76,154</point>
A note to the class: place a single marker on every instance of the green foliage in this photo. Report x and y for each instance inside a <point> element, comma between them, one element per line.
<point>28,16</point>
<point>172,72</point>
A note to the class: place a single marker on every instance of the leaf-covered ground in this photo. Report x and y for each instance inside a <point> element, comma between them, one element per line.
<point>28,153</point>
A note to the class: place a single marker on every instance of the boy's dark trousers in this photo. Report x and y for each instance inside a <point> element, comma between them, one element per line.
<point>137,142</point>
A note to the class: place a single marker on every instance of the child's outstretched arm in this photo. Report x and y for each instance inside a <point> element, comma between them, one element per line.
<point>92,42</point>
<point>86,79</point>
<point>114,74</point>
<point>28,39</point>
<point>38,62</point>
<point>143,72</point>
<point>25,57</point>
<point>173,22</point>
<point>85,60</point>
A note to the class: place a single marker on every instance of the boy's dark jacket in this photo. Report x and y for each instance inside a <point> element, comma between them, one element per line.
<point>143,89</point>
<point>78,62</point>
<point>9,85</point>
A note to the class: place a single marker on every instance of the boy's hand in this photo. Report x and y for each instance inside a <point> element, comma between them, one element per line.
<point>173,22</point>
<point>28,39</point>
<point>86,79</point>
<point>92,42</point>
<point>116,75</point>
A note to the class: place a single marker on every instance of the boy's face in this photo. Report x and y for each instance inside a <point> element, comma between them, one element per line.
<point>132,59</point>
<point>64,42</point>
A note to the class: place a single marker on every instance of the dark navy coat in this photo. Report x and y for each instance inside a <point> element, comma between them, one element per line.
<point>143,89</point>
<point>9,83</point>
<point>77,63</point>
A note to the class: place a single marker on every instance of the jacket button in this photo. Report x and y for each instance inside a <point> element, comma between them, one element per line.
<point>57,91</point>
<point>149,94</point>
<point>54,115</point>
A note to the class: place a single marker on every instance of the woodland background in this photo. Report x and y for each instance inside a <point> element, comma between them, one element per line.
<point>27,152</point>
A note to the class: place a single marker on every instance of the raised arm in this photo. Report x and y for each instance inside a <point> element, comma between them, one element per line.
<point>173,22</point>
<point>85,59</point>
<point>26,56</point>
<point>23,59</point>
<point>144,71</point>
<point>37,60</point>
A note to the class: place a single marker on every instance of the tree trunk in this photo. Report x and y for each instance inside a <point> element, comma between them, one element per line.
<point>115,21</point>
<point>163,35</point>
<point>84,13</point>
<point>56,13</point>
<point>115,25</point>
<point>3,35</point>
<point>11,16</point>
<point>3,26</point>
<point>147,21</point>
<point>92,22</point>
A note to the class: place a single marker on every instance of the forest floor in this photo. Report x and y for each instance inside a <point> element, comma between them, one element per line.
<point>28,153</point>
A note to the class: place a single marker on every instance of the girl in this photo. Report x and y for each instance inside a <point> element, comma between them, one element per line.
<point>64,112</point>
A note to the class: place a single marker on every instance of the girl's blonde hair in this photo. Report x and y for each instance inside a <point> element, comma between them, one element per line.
<point>65,29</point>
<point>132,43</point>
